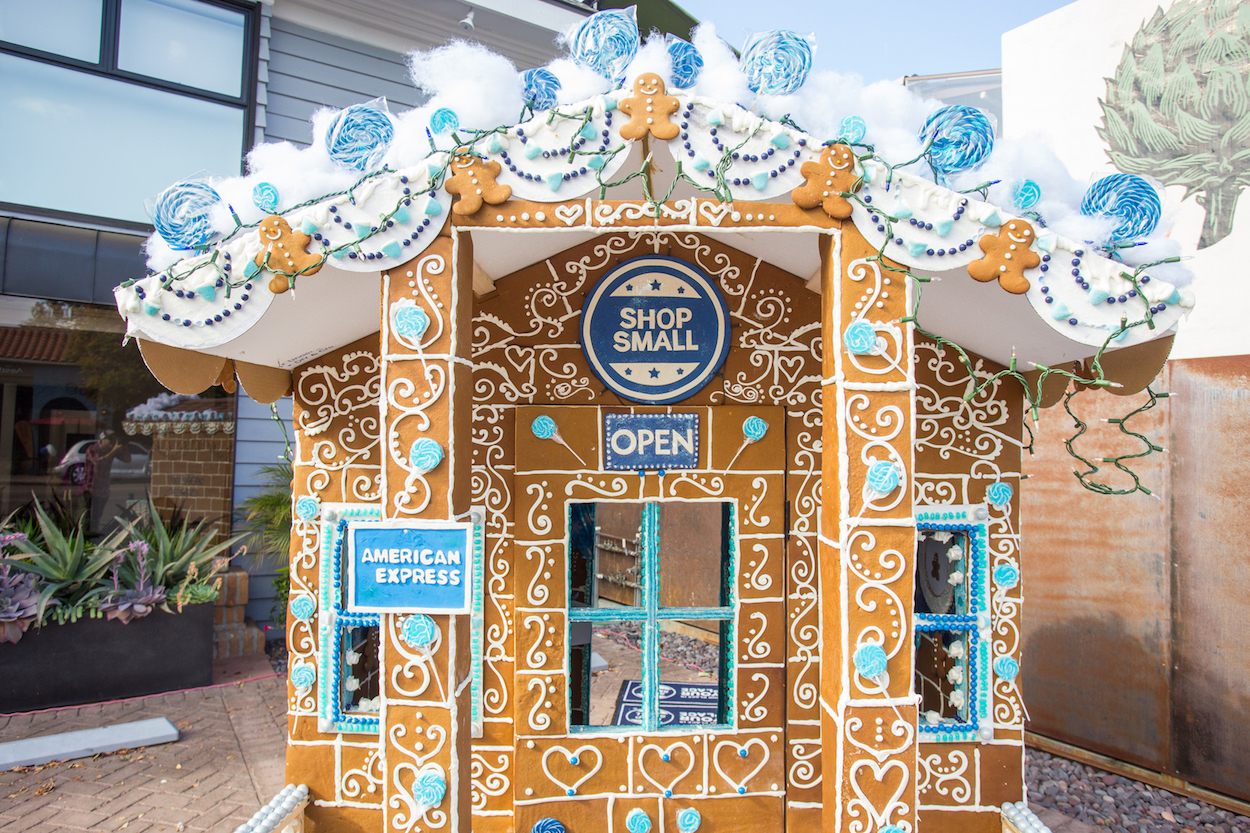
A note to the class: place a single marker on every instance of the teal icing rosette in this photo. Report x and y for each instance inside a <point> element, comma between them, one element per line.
<point>182,214</point>
<point>606,42</point>
<point>963,137</point>
<point>1006,668</point>
<point>265,197</point>
<point>359,136</point>
<point>637,821</point>
<point>541,86</point>
<point>688,820</point>
<point>870,660</point>
<point>882,477</point>
<point>754,429</point>
<point>430,787</point>
<point>776,63</point>
<point>425,455</point>
<point>860,338</point>
<point>419,631</point>
<point>687,62</point>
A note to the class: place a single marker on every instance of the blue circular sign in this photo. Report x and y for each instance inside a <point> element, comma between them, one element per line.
<point>655,329</point>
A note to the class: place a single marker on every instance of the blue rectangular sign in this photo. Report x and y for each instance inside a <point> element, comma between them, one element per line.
<point>409,567</point>
<point>649,442</point>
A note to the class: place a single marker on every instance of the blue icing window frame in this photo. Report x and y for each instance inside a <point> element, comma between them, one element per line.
<point>972,520</point>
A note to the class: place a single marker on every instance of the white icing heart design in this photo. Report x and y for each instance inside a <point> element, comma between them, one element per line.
<point>713,211</point>
<point>880,816</point>
<point>522,358</point>
<point>568,214</point>
<point>569,757</point>
<point>790,366</point>
<point>667,789</point>
<point>854,724</point>
<point>739,749</point>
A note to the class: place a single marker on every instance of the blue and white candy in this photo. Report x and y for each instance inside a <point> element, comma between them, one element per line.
<point>419,631</point>
<point>688,820</point>
<point>754,429</point>
<point>425,455</point>
<point>776,63</point>
<point>860,338</point>
<point>303,676</point>
<point>182,214</point>
<point>870,661</point>
<point>547,825</point>
<point>637,821</point>
<point>541,86</point>
<point>852,129</point>
<point>410,321</point>
<point>999,493</point>
<point>303,607</point>
<point>882,477</point>
<point>1006,576</point>
<point>687,62</point>
<point>1006,668</point>
<point>1127,198</point>
<point>430,787</point>
<point>359,136</point>
<point>544,427</point>
<point>306,508</point>
<point>1026,194</point>
<point>962,138</point>
<point>265,197</point>
<point>606,42</point>
<point>444,120</point>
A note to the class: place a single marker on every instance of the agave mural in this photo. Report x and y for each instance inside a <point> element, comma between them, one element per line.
<point>1178,108</point>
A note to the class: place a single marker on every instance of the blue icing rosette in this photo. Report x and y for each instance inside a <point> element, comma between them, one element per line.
<point>1006,576</point>
<point>410,322</point>
<point>1026,193</point>
<point>999,493</point>
<point>547,825</point>
<point>962,138</point>
<point>870,660</point>
<point>754,429</point>
<point>444,120</point>
<point>419,631</point>
<point>303,607</point>
<point>637,821</point>
<point>860,337</point>
<point>425,455</point>
<point>359,136</point>
<point>1127,198</point>
<point>303,676</point>
<point>541,86</point>
<point>544,427</point>
<point>687,62</point>
<point>882,477</point>
<point>306,508</point>
<point>688,820</point>
<point>265,197</point>
<point>776,63</point>
<point>182,214</point>
<point>1006,668</point>
<point>606,42</point>
<point>430,787</point>
<point>853,129</point>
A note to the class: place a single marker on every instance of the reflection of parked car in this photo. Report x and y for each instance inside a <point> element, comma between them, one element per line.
<point>70,469</point>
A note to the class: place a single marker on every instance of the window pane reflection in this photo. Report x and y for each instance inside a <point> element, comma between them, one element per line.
<point>183,41</point>
<point>75,35</point>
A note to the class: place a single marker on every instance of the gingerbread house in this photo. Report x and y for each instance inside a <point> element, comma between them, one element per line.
<point>657,460</point>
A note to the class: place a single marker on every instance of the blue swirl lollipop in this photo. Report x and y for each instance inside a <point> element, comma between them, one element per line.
<point>303,676</point>
<point>430,787</point>
<point>999,493</point>
<point>637,821</point>
<point>870,661</point>
<point>541,86</point>
<point>547,825</point>
<point>687,62</point>
<point>963,138</point>
<point>425,455</point>
<point>1006,668</point>
<point>419,631</point>
<point>359,136</point>
<point>688,820</point>
<point>444,120</point>
<point>306,508</point>
<point>853,129</point>
<point>1006,576</point>
<point>1127,198</point>
<point>753,430</point>
<point>303,607</point>
<point>265,197</point>
<point>544,428</point>
<point>776,63</point>
<point>860,337</point>
<point>882,477</point>
<point>1026,194</point>
<point>182,214</point>
<point>606,42</point>
<point>409,321</point>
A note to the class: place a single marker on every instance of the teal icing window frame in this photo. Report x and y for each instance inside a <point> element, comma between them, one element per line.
<point>976,623</point>
<point>651,614</point>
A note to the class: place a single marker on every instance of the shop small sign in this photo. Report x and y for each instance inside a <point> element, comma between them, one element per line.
<point>409,567</point>
<point>655,329</point>
<point>650,442</point>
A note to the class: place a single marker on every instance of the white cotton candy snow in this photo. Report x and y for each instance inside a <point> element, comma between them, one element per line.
<point>721,78</point>
<point>482,88</point>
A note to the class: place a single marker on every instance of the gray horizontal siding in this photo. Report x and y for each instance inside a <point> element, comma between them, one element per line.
<point>309,70</point>
<point>259,442</point>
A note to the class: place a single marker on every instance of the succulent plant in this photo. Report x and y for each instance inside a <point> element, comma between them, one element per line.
<point>19,602</point>
<point>135,602</point>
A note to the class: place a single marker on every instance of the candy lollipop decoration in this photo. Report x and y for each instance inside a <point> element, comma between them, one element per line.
<point>544,428</point>
<point>776,63</point>
<point>1007,669</point>
<point>872,664</point>
<point>541,86</point>
<point>882,477</point>
<point>182,214</point>
<point>637,821</point>
<point>430,787</point>
<point>999,494</point>
<point>359,136</point>
<point>1006,576</point>
<point>303,675</point>
<point>852,129</point>
<point>306,508</point>
<point>444,121</point>
<point>860,338</point>
<point>1026,194</point>
<point>425,455</point>
<point>547,825</point>
<point>962,139</point>
<point>606,42</point>
<point>753,430</point>
<point>265,197</point>
<point>419,631</point>
<point>1127,198</point>
<point>687,62</point>
<point>688,820</point>
<point>303,607</point>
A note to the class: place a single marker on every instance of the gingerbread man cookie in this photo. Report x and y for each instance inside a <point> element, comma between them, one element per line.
<point>827,179</point>
<point>474,180</point>
<point>285,253</point>
<point>1007,255</point>
<point>648,110</point>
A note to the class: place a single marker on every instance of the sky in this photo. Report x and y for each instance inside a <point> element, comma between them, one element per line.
<point>882,39</point>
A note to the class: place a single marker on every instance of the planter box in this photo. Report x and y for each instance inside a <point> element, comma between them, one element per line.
<point>97,659</point>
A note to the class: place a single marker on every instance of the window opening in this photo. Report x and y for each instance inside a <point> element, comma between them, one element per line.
<point>651,613</point>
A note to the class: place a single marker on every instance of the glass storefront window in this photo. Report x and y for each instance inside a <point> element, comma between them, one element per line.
<point>75,35</point>
<point>183,41</point>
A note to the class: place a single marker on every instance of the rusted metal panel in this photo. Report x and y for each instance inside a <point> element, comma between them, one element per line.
<point>1210,455</point>
<point>1097,589</point>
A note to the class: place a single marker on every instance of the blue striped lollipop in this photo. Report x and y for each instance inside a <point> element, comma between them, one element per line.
<point>776,63</point>
<point>182,214</point>
<point>1127,198</point>
<point>359,136</point>
<point>687,62</point>
<point>541,86</point>
<point>962,138</point>
<point>606,42</point>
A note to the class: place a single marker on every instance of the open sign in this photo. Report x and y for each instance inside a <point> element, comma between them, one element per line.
<point>637,442</point>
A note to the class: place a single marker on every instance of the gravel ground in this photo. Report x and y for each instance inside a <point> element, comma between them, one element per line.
<point>1126,806</point>
<point>687,651</point>
<point>275,649</point>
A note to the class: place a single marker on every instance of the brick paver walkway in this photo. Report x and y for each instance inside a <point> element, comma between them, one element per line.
<point>227,762</point>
